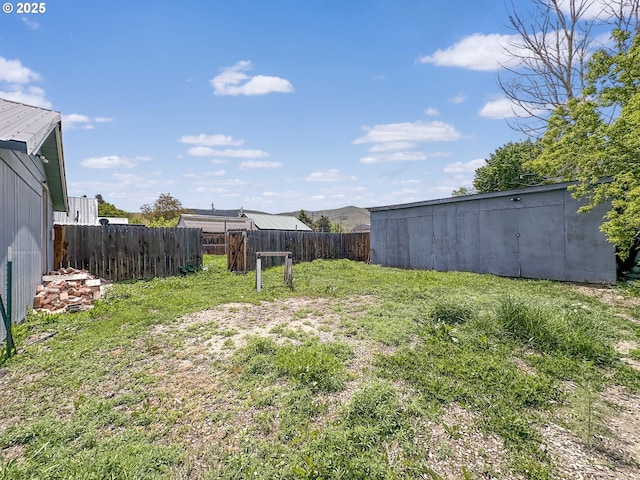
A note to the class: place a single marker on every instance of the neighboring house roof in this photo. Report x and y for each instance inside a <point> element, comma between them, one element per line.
<point>265,221</point>
<point>213,224</point>
<point>82,211</point>
<point>37,131</point>
<point>361,228</point>
<point>216,212</point>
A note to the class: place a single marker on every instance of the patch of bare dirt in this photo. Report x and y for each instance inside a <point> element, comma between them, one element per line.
<point>624,424</point>
<point>625,348</point>
<point>458,449</point>
<point>608,295</point>
<point>193,381</point>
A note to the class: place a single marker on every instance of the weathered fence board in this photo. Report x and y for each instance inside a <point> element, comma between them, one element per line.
<point>125,252</point>
<point>305,247</point>
<point>214,243</point>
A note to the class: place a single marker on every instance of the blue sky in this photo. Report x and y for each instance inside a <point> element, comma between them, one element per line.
<point>274,106</point>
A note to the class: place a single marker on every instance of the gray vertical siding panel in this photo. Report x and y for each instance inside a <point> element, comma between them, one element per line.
<point>590,258</point>
<point>21,222</point>
<point>467,246</point>
<point>421,248</point>
<point>499,242</point>
<point>444,238</point>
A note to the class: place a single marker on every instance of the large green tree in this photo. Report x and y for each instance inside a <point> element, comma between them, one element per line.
<point>595,139</point>
<point>323,224</point>
<point>504,169</point>
<point>164,212</point>
<point>306,219</point>
<point>106,209</point>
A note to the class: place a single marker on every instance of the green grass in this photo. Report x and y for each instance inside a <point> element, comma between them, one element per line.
<point>127,390</point>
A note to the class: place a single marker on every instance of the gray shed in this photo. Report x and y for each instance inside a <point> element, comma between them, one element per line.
<point>534,232</point>
<point>32,187</point>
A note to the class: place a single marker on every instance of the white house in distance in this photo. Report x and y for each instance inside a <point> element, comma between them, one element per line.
<point>84,211</point>
<point>32,186</point>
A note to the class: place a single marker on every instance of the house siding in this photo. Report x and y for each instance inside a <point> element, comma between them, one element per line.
<point>530,233</point>
<point>24,226</point>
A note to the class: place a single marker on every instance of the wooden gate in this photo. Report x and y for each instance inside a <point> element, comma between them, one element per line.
<point>304,246</point>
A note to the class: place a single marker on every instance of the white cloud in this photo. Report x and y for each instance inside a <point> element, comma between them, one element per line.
<point>30,23</point>
<point>331,175</point>
<point>200,151</point>
<point>137,181</point>
<point>431,112</point>
<point>144,158</point>
<point>233,182</point>
<point>14,84</point>
<point>12,71</point>
<point>109,161</point>
<point>77,120</point>
<point>409,132</point>
<point>227,153</point>
<point>283,194</point>
<point>460,98</point>
<point>30,95</point>
<point>391,146</point>
<point>498,109</point>
<point>470,166</point>
<point>233,81</point>
<point>217,173</point>
<point>502,108</point>
<point>597,8</point>
<point>74,120</point>
<point>395,157</point>
<point>210,140</point>
<point>476,52</point>
<point>250,164</point>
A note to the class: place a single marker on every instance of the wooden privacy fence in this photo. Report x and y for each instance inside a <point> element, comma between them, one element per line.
<point>305,247</point>
<point>214,243</point>
<point>123,252</point>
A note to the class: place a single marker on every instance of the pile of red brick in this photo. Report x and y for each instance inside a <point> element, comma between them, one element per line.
<point>67,290</point>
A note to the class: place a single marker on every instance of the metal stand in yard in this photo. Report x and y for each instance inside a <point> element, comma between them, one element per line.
<point>6,313</point>
<point>288,267</point>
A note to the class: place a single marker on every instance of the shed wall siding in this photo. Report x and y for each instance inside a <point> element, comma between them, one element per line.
<point>539,235</point>
<point>21,227</point>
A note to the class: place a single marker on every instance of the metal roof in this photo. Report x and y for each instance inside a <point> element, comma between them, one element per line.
<point>37,131</point>
<point>276,222</point>
<point>24,127</point>
<point>477,196</point>
<point>214,224</point>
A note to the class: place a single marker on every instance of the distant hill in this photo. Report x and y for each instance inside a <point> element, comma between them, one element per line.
<point>348,217</point>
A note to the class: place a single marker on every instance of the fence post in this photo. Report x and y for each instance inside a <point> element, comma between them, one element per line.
<point>288,270</point>
<point>258,272</point>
